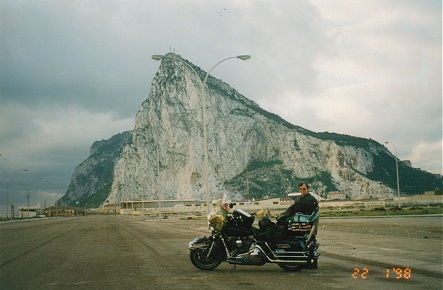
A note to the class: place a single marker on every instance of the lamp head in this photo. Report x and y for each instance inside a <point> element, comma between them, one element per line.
<point>244,57</point>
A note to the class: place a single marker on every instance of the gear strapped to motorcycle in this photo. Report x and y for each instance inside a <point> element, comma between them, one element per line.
<point>217,217</point>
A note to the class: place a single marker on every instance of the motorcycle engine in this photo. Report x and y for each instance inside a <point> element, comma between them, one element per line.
<point>252,257</point>
<point>244,252</point>
<point>239,245</point>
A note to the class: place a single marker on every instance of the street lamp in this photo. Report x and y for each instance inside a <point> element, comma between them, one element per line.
<point>396,169</point>
<point>203,84</point>
<point>158,186</point>
<point>28,195</point>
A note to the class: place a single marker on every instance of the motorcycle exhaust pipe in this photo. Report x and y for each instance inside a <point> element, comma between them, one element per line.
<point>304,259</point>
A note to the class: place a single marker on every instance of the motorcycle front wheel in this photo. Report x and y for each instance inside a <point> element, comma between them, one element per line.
<point>199,260</point>
<point>290,267</point>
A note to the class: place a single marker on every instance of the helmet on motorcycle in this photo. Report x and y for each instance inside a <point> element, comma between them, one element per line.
<point>224,206</point>
<point>264,223</point>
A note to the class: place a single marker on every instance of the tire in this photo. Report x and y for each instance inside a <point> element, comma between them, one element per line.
<point>290,267</point>
<point>199,260</point>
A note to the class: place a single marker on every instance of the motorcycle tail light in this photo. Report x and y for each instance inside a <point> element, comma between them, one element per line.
<point>283,246</point>
<point>300,227</point>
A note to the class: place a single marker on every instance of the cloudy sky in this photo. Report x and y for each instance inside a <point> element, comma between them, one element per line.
<point>73,72</point>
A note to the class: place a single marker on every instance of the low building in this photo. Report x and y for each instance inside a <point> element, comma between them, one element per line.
<point>295,194</point>
<point>65,211</point>
<point>337,195</point>
<point>433,192</point>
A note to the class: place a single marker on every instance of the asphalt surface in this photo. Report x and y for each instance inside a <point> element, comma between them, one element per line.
<point>116,252</point>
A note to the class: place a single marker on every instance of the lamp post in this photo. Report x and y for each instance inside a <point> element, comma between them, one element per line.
<point>28,195</point>
<point>203,83</point>
<point>158,186</point>
<point>396,169</point>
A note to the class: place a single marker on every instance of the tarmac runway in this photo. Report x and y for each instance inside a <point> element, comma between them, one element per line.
<point>118,252</point>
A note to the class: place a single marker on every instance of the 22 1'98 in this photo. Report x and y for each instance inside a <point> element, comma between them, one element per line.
<point>395,272</point>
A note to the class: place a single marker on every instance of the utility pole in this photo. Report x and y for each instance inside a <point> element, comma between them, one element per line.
<point>27,196</point>
<point>12,212</point>
<point>247,181</point>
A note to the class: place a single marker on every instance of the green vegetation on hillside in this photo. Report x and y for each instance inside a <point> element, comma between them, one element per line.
<point>269,179</point>
<point>95,200</point>
<point>412,180</point>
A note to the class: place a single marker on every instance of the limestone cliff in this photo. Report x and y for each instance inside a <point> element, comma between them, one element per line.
<point>252,153</point>
<point>92,179</point>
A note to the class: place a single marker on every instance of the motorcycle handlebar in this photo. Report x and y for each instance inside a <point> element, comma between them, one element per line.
<point>232,204</point>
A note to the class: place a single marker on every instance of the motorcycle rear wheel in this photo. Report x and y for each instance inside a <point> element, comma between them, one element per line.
<point>290,267</point>
<point>199,260</point>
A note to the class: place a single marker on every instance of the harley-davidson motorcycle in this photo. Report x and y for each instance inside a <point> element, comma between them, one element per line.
<point>235,240</point>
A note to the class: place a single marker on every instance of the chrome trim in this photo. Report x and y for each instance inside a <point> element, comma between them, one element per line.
<point>198,243</point>
<point>210,250</point>
<point>295,261</point>
<point>228,255</point>
<point>310,234</point>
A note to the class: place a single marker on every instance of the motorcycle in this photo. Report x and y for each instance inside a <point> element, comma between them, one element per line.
<point>235,240</point>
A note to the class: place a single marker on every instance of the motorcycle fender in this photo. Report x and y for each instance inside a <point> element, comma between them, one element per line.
<point>200,243</point>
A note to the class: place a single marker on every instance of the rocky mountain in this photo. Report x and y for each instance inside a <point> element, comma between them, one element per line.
<point>252,153</point>
<point>92,179</point>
